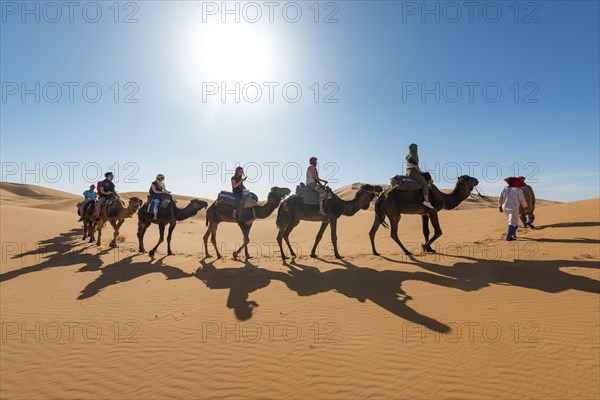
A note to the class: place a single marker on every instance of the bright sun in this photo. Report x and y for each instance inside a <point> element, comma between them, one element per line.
<point>234,52</point>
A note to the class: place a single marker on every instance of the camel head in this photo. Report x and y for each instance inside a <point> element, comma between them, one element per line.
<point>197,205</point>
<point>367,192</point>
<point>467,182</point>
<point>279,193</point>
<point>134,204</point>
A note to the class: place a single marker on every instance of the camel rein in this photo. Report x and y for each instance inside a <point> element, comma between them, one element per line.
<point>483,196</point>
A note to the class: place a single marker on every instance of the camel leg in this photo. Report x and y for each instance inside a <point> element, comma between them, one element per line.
<point>334,238</point>
<point>213,238</point>
<point>280,243</point>
<point>91,227</point>
<point>161,231</point>
<point>426,248</point>
<point>247,240</point>
<point>171,229</point>
<point>245,231</point>
<point>394,234</point>
<point>318,238</point>
<point>286,236</point>
<point>99,229</point>
<point>372,233</point>
<point>88,228</point>
<point>116,226</point>
<point>205,240</point>
<point>142,226</point>
<point>437,230</point>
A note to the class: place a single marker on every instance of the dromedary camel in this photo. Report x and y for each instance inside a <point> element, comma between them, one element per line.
<point>217,213</point>
<point>293,210</point>
<point>166,216</point>
<point>400,202</point>
<point>115,213</point>
<point>89,222</point>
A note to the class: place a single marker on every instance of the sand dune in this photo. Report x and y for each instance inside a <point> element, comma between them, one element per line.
<point>483,318</point>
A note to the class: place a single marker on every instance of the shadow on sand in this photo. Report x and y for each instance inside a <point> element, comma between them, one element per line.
<point>382,287</point>
<point>126,270</point>
<point>57,252</point>
<point>569,225</point>
<point>68,249</point>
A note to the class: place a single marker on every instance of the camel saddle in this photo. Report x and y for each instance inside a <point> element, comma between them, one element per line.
<point>164,203</point>
<point>403,182</point>
<point>91,203</point>
<point>225,197</point>
<point>309,196</point>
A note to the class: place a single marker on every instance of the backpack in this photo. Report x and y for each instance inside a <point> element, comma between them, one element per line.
<point>98,188</point>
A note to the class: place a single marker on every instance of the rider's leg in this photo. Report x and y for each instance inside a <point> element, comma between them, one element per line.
<point>155,209</point>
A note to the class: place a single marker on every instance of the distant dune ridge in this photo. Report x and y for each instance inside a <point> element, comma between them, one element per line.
<point>43,197</point>
<point>483,318</point>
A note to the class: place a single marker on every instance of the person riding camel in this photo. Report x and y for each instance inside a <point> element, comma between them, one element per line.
<point>239,191</point>
<point>157,192</point>
<point>414,172</point>
<point>88,195</point>
<point>106,189</point>
<point>314,182</point>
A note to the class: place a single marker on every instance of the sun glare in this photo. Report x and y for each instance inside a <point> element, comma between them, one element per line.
<point>233,52</point>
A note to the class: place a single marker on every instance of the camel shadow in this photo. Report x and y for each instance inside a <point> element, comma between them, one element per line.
<point>572,241</point>
<point>543,275</point>
<point>57,252</point>
<point>126,270</point>
<point>240,282</point>
<point>67,249</point>
<point>569,225</point>
<point>382,288</point>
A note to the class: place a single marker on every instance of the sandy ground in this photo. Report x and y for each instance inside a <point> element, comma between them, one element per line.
<point>483,318</point>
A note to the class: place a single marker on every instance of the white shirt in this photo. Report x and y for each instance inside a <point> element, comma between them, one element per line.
<point>511,197</point>
<point>309,176</point>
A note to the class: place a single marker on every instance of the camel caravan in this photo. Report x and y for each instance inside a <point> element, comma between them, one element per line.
<point>413,193</point>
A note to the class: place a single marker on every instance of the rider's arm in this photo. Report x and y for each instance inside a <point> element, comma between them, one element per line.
<point>235,184</point>
<point>154,190</point>
<point>316,175</point>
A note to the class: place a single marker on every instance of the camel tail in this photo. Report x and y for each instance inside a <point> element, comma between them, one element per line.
<point>379,214</point>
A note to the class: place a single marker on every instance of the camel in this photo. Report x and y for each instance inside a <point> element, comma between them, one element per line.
<point>400,202</point>
<point>116,213</point>
<point>293,210</point>
<point>170,215</point>
<point>89,222</point>
<point>217,213</point>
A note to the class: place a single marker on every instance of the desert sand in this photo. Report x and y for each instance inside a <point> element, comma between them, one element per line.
<point>483,318</point>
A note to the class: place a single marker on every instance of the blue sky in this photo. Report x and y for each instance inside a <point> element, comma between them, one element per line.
<point>501,89</point>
